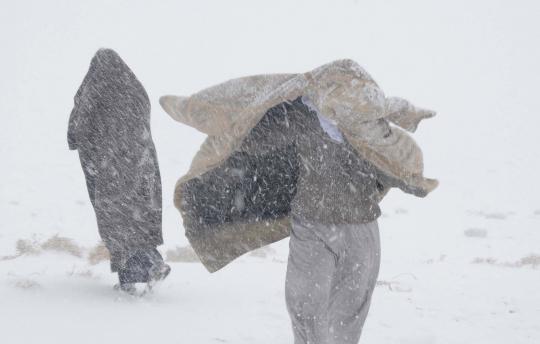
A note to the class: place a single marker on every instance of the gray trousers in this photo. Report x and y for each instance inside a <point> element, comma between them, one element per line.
<point>331,274</point>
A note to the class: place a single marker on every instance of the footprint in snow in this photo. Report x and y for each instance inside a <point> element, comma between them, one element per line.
<point>475,233</point>
<point>26,284</point>
<point>496,215</point>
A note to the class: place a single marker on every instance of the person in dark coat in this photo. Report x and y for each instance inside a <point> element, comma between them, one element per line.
<point>110,128</point>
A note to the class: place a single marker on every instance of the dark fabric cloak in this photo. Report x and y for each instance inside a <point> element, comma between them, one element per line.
<point>110,128</point>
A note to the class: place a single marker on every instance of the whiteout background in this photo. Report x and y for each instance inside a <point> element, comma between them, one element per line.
<point>475,62</point>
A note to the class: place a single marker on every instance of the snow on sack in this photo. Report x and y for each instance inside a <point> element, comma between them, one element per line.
<point>223,218</point>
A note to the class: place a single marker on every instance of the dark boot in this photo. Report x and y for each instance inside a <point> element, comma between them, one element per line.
<point>145,266</point>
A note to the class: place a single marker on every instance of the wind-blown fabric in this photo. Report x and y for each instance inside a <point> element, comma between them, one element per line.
<point>342,91</point>
<point>110,128</point>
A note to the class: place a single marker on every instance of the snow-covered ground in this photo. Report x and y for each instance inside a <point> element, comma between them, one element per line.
<point>461,266</point>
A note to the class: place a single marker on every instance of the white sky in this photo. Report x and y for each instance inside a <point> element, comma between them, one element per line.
<point>475,63</point>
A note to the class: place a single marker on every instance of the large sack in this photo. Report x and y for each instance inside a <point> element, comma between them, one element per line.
<point>374,124</point>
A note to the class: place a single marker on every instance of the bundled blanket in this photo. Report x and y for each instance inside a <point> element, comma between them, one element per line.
<point>375,125</point>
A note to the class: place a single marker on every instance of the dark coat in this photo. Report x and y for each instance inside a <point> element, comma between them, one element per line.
<point>110,128</point>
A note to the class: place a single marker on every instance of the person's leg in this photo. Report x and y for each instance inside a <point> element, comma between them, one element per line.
<point>309,274</point>
<point>354,281</point>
